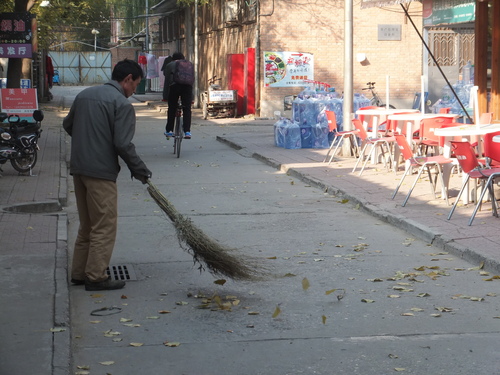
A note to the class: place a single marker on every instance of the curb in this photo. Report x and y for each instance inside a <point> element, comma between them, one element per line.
<point>61,344</point>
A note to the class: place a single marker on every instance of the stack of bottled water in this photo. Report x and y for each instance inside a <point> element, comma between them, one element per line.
<point>449,100</point>
<point>287,134</point>
<point>309,114</point>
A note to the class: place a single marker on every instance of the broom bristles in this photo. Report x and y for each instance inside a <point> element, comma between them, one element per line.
<point>218,258</point>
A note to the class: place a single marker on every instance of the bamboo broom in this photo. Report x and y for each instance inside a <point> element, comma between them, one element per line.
<point>219,260</point>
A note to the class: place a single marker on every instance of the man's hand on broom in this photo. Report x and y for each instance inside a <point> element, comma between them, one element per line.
<point>144,178</point>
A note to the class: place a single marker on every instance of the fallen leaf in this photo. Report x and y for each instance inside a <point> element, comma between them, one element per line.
<point>96,295</point>
<point>125,320</point>
<point>182,303</point>
<point>85,367</point>
<point>111,333</point>
<point>399,369</point>
<point>436,315</point>
<point>57,329</point>
<point>253,313</point>
<point>328,292</point>
<point>423,295</point>
<point>444,309</point>
<point>417,309</point>
<point>277,311</point>
<point>272,257</point>
<point>136,344</point>
<point>323,319</point>
<point>107,363</point>
<point>407,314</point>
<point>496,277</point>
<point>220,282</point>
<point>171,344</point>
<point>367,300</point>
<point>153,317</point>
<point>394,296</point>
<point>95,322</point>
<point>164,312</point>
<point>305,283</point>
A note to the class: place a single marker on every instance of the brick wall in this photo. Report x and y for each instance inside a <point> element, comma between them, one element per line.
<point>303,27</point>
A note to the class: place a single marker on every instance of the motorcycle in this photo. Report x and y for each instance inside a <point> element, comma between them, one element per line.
<point>217,102</point>
<point>19,141</point>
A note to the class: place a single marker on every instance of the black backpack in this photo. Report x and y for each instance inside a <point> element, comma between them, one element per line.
<point>183,72</point>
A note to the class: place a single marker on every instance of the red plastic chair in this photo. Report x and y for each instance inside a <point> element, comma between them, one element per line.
<point>491,149</point>
<point>339,136</point>
<point>426,133</point>
<point>469,163</point>
<point>374,143</point>
<point>423,163</point>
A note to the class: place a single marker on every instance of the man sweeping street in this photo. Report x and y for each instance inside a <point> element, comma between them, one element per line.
<point>101,123</point>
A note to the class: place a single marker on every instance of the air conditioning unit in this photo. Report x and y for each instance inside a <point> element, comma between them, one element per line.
<point>231,12</point>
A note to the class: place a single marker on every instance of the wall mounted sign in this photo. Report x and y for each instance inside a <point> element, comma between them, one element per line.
<point>389,32</point>
<point>287,69</point>
<point>16,35</point>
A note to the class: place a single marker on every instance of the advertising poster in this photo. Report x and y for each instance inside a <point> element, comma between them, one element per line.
<point>287,69</point>
<point>20,102</point>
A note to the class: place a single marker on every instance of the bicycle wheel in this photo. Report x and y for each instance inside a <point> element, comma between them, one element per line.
<point>178,136</point>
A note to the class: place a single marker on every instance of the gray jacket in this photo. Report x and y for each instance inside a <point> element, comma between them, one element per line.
<point>101,123</point>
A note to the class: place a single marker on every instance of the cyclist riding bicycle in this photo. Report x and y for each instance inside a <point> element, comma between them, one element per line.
<point>178,88</point>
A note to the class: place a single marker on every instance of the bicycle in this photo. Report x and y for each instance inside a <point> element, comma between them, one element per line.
<point>178,131</point>
<point>375,100</point>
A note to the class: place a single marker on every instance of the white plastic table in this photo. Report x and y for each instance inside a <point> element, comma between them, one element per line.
<point>376,114</point>
<point>413,121</point>
<point>463,132</point>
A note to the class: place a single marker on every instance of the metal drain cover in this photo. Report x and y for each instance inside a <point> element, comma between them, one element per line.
<point>123,272</point>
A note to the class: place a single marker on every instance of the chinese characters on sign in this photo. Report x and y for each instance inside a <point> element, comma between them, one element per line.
<point>15,35</point>
<point>448,12</point>
<point>389,32</point>
<point>20,102</point>
<point>287,69</point>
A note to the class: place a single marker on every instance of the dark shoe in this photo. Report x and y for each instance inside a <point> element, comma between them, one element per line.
<point>77,282</point>
<point>107,284</point>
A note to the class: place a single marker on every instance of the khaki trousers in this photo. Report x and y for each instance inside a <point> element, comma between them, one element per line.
<point>97,203</point>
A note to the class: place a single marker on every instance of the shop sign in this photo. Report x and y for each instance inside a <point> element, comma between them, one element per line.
<point>436,12</point>
<point>287,69</point>
<point>20,102</point>
<point>16,35</point>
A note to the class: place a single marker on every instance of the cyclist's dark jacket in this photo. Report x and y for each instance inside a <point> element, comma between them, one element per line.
<point>101,123</point>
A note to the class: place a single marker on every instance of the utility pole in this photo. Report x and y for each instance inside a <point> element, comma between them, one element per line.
<point>146,42</point>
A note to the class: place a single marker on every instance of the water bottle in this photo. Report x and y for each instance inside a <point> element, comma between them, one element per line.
<point>306,137</point>
<point>279,133</point>
<point>466,72</point>
<point>320,135</point>
<point>292,135</point>
<point>296,108</point>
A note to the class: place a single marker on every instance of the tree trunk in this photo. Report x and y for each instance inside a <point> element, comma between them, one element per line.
<point>19,68</point>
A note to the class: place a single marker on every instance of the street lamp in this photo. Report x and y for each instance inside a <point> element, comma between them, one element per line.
<point>95,32</point>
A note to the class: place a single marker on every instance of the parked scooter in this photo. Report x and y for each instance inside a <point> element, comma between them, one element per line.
<point>218,103</point>
<point>19,141</point>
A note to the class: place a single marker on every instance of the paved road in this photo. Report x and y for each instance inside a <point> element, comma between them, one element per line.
<point>379,301</point>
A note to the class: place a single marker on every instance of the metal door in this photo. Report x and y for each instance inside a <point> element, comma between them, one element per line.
<point>82,68</point>
<point>452,48</point>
